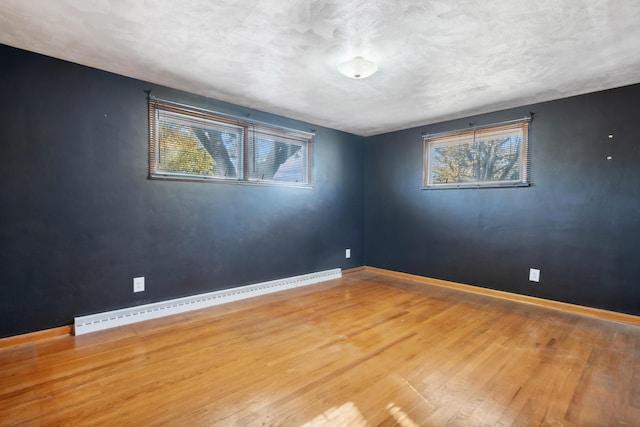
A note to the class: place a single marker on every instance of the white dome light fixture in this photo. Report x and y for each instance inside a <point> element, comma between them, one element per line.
<point>358,68</point>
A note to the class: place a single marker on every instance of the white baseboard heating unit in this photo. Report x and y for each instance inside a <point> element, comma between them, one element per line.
<point>126,316</point>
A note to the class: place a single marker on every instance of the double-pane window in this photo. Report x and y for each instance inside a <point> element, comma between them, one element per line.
<point>201,145</point>
<point>488,157</point>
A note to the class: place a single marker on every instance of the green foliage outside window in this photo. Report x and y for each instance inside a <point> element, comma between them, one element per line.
<point>180,151</point>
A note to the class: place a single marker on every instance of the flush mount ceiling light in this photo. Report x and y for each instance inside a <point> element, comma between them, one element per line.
<point>357,68</point>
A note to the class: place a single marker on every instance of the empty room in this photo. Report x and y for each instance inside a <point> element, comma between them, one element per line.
<point>320,213</point>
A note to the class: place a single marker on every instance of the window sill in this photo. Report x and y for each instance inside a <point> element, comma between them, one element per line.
<point>168,177</point>
<point>475,186</point>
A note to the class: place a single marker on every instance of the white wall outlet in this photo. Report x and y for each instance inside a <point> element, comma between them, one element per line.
<point>534,274</point>
<point>138,284</point>
<point>347,253</point>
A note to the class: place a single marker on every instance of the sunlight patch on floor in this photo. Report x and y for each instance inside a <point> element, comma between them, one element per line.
<point>345,415</point>
<point>400,416</point>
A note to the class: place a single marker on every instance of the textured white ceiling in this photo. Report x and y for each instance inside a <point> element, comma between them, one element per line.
<point>438,59</point>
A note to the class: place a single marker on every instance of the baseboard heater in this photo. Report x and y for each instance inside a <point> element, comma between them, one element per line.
<point>126,316</point>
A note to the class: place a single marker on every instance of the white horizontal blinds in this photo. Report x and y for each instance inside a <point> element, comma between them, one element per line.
<point>189,143</point>
<point>526,164</point>
<point>278,155</point>
<point>452,139</point>
<point>152,138</point>
<point>495,155</point>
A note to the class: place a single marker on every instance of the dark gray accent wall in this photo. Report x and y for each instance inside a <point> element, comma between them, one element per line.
<point>79,218</point>
<point>579,222</point>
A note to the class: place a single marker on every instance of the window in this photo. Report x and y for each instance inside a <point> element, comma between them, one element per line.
<point>280,157</point>
<point>187,143</point>
<point>492,156</point>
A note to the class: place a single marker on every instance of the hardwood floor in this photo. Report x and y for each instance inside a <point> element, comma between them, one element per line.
<point>365,350</point>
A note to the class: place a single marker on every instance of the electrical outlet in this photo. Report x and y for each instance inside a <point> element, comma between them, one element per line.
<point>534,275</point>
<point>138,284</point>
<point>347,253</point>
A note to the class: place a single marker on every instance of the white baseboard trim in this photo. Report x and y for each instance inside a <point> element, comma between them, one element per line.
<point>126,316</point>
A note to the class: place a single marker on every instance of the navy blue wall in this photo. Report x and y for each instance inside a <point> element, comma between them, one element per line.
<point>579,222</point>
<point>79,218</point>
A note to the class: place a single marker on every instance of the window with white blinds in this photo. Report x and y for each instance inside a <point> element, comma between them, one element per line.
<point>277,156</point>
<point>193,144</point>
<point>493,156</point>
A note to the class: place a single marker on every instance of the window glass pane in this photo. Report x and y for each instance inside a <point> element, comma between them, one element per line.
<point>179,151</point>
<point>278,159</point>
<point>450,164</point>
<point>196,147</point>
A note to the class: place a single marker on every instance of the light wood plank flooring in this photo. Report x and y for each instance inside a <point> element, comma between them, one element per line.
<point>365,350</point>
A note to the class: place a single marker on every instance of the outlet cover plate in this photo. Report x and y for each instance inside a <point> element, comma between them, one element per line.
<point>534,275</point>
<point>138,284</point>
<point>347,253</point>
